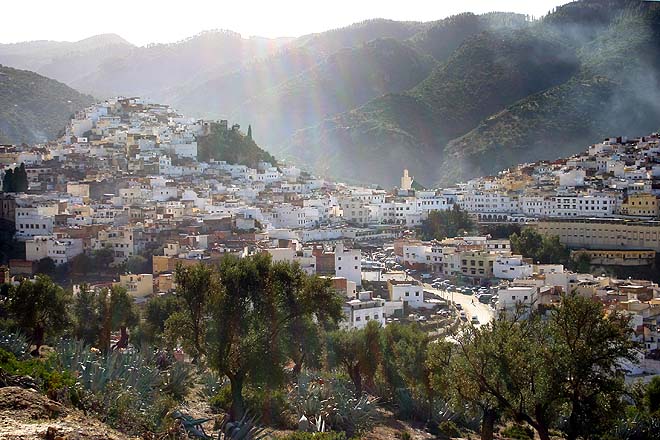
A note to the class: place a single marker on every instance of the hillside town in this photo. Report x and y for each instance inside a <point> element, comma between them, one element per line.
<point>123,185</point>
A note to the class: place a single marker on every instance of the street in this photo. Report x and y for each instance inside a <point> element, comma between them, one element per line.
<point>470,304</point>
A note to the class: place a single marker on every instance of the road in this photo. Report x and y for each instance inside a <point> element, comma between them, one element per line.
<point>469,303</point>
<point>483,312</point>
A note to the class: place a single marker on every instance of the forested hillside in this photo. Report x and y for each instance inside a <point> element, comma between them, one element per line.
<point>586,71</point>
<point>34,108</point>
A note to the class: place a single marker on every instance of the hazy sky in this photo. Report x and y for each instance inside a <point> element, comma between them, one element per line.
<point>146,21</point>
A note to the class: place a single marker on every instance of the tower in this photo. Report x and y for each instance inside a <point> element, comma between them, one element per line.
<point>406,181</point>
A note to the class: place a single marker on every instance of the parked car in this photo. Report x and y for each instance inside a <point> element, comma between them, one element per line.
<point>459,307</point>
<point>475,320</point>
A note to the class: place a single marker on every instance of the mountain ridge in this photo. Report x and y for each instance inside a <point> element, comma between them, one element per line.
<point>34,108</point>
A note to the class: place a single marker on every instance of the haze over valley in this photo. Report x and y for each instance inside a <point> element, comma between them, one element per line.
<point>356,102</point>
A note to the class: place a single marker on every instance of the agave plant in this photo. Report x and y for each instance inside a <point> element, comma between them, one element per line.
<point>135,371</point>
<point>176,380</point>
<point>333,401</point>
<point>243,429</point>
<point>15,343</point>
<point>211,383</point>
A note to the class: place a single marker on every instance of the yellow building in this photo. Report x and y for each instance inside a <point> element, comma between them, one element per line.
<point>620,234</point>
<point>515,182</point>
<point>137,285</point>
<point>640,205</point>
<point>617,257</point>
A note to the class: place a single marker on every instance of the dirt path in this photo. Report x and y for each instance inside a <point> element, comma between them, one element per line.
<point>27,414</point>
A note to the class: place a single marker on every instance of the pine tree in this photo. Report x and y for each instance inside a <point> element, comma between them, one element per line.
<point>8,181</point>
<point>249,133</point>
<point>20,179</point>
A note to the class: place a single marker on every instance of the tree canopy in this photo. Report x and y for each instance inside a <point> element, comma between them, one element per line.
<point>442,224</point>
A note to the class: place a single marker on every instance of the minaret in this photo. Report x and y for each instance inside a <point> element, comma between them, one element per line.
<point>406,181</point>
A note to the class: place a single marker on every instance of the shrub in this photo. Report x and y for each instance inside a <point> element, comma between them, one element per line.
<point>58,385</point>
<point>270,404</point>
<point>221,402</point>
<point>449,429</point>
<point>331,435</point>
<point>518,432</point>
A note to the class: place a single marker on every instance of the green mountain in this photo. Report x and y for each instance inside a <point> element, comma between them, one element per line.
<point>34,108</point>
<point>230,93</point>
<point>541,90</point>
<point>615,92</point>
<point>341,82</point>
<point>492,70</point>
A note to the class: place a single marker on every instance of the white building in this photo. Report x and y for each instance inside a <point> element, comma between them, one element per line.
<point>348,264</point>
<point>583,205</point>
<point>411,294</point>
<point>516,298</point>
<point>58,248</point>
<point>359,311</point>
<point>34,220</point>
<point>511,267</point>
<point>572,178</point>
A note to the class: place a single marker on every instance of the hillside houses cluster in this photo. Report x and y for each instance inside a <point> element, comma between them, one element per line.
<point>124,178</point>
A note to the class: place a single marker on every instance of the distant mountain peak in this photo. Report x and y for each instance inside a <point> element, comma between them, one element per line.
<point>105,39</point>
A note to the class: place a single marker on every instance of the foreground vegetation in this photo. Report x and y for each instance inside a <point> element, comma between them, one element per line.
<point>262,341</point>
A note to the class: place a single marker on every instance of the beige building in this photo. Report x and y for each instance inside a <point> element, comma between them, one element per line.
<point>478,264</point>
<point>603,233</point>
<point>137,285</point>
<point>640,205</point>
<point>617,257</point>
